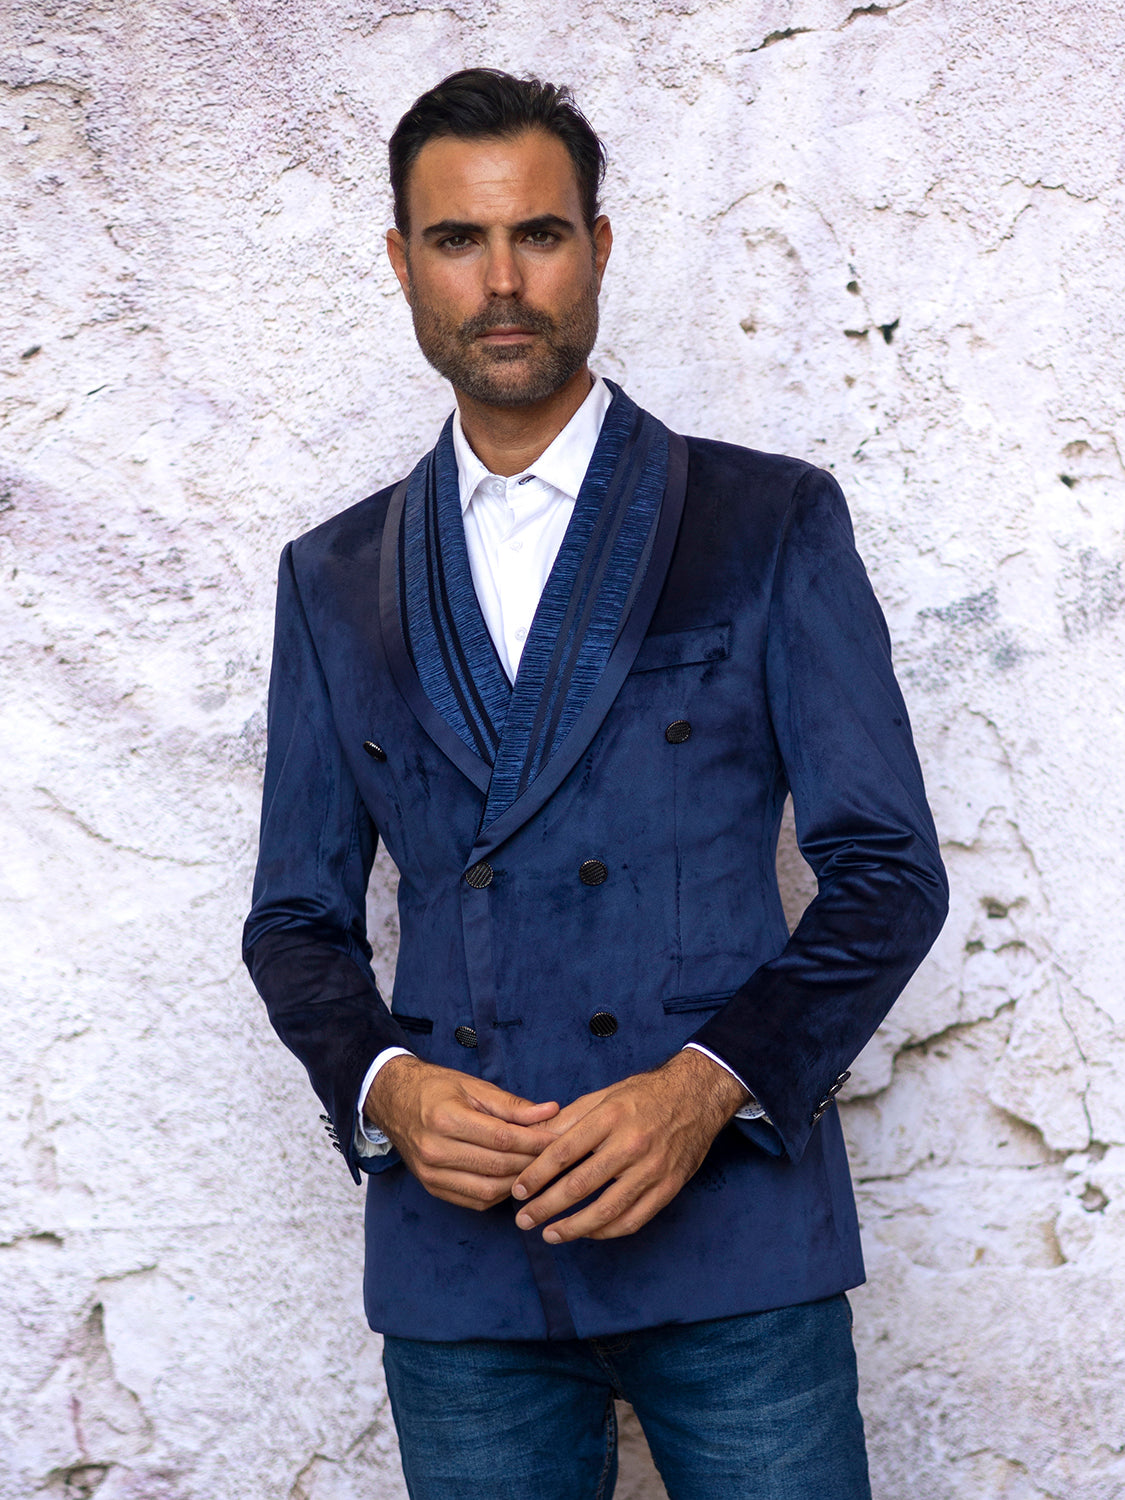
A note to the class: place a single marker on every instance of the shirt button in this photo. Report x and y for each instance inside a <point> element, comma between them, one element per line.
<point>521,634</point>
<point>516,546</point>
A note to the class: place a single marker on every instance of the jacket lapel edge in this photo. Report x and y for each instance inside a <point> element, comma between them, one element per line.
<point>617,668</point>
<point>444,736</point>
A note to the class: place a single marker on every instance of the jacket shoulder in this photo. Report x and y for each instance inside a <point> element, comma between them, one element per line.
<point>746,491</point>
<point>713,462</point>
<point>348,532</point>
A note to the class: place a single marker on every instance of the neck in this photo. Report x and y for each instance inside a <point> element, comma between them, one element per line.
<point>507,439</point>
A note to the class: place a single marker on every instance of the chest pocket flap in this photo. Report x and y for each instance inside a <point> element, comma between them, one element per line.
<point>680,648</point>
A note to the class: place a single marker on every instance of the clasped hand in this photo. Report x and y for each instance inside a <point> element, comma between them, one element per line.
<point>632,1146</point>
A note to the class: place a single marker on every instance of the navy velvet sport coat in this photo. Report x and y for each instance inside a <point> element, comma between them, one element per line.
<point>756,626</point>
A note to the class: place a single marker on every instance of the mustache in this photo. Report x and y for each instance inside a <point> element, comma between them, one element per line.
<point>504,315</point>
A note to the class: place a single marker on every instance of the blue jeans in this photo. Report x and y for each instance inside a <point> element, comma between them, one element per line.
<point>760,1407</point>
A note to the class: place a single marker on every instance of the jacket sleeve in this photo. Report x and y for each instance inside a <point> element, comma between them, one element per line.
<point>862,824</point>
<point>305,941</point>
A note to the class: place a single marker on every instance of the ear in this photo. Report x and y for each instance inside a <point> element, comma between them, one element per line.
<point>396,253</point>
<point>603,244</point>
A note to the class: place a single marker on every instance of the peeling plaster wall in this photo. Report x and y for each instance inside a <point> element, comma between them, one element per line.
<point>886,238</point>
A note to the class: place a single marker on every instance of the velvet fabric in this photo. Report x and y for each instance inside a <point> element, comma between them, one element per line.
<point>748,614</point>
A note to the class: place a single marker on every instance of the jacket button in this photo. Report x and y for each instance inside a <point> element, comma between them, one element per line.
<point>375,751</point>
<point>466,1036</point>
<point>592,872</point>
<point>602,1023</point>
<point>480,876</point>
<point>678,732</point>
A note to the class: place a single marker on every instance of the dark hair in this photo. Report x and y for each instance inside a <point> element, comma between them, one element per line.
<point>478,103</point>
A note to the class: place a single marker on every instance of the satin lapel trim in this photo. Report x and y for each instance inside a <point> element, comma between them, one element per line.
<point>617,668</point>
<point>444,736</point>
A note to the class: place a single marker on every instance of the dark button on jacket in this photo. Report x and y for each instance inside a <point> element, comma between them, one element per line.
<point>466,1036</point>
<point>603,1023</point>
<point>678,732</point>
<point>480,875</point>
<point>375,751</point>
<point>592,872</point>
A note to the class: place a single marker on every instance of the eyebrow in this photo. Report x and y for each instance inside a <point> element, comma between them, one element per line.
<point>526,226</point>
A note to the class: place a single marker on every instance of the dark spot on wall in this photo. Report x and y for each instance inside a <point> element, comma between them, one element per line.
<point>1006,654</point>
<point>888,330</point>
<point>974,609</point>
<point>855,333</point>
<point>853,287</point>
<point>32,352</point>
<point>994,908</point>
<point>1069,480</point>
<point>1096,592</point>
<point>1093,1200</point>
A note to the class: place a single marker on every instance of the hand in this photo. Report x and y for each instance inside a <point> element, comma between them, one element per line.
<point>465,1140</point>
<point>640,1141</point>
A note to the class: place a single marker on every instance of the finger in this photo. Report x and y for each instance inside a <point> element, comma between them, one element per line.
<point>505,1106</point>
<point>589,1176</point>
<point>582,1138</point>
<point>467,1190</point>
<point>631,1218</point>
<point>576,1110</point>
<point>436,1154</point>
<point>458,1121</point>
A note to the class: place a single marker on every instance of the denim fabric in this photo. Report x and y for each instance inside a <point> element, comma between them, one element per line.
<point>760,1407</point>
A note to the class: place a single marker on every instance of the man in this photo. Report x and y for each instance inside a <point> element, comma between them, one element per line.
<point>569,669</point>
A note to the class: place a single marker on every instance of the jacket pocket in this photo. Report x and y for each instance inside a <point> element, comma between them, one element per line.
<point>684,1003</point>
<point>681,648</point>
<point>419,1024</point>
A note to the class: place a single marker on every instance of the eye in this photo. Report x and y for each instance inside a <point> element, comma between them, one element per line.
<point>454,242</point>
<point>543,237</point>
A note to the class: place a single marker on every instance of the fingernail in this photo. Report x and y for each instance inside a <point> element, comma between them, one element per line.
<point>519,1191</point>
<point>524,1221</point>
<point>552,1236</point>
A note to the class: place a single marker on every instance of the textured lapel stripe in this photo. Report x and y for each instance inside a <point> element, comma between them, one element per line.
<point>583,604</point>
<point>461,688</point>
<point>446,635</point>
<point>622,533</point>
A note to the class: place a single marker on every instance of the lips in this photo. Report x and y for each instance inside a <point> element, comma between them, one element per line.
<point>497,326</point>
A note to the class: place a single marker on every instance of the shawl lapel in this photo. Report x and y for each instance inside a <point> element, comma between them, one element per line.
<point>518,741</point>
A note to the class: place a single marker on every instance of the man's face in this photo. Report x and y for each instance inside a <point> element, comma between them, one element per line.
<point>500,271</point>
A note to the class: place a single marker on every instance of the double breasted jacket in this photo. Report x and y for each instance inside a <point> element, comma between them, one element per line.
<point>586,861</point>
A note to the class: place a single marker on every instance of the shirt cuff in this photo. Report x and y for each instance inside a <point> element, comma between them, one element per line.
<point>369,1139</point>
<point>751,1110</point>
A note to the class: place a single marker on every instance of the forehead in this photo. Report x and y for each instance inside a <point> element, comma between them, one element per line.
<point>496,180</point>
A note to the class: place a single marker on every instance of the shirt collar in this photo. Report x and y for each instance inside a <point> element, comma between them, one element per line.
<point>562,464</point>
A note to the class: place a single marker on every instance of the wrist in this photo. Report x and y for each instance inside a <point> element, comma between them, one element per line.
<point>716,1089</point>
<point>385,1085</point>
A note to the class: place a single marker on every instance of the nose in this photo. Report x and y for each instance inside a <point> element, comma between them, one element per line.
<point>502,271</point>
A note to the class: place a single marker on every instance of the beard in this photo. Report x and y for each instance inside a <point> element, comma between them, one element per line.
<point>512,374</point>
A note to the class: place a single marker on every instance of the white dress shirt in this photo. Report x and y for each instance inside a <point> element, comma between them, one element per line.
<point>513,531</point>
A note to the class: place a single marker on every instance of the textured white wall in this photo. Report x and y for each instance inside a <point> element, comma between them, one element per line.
<point>889,239</point>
